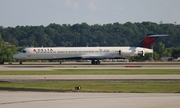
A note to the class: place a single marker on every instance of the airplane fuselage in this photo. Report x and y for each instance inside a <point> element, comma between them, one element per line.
<point>95,54</point>
<point>88,53</point>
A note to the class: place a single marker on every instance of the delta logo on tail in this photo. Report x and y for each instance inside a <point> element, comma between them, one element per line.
<point>149,40</point>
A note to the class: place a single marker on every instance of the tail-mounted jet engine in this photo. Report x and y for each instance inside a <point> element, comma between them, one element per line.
<point>141,53</point>
<point>129,53</point>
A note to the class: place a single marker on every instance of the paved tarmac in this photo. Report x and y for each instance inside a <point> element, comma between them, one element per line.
<point>15,78</point>
<point>120,78</point>
<point>83,67</point>
<point>88,100</point>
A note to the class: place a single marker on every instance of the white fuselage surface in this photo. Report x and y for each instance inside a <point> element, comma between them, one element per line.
<point>88,53</point>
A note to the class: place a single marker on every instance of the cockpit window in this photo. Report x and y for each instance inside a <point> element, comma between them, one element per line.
<point>23,51</point>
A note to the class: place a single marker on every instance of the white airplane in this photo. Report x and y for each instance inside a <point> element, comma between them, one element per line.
<point>95,54</point>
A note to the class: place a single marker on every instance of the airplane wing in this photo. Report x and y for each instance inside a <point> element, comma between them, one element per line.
<point>93,57</point>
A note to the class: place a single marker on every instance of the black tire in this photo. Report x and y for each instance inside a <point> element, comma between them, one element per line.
<point>98,62</point>
<point>93,62</point>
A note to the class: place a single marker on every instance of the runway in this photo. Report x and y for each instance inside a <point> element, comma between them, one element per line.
<point>84,67</point>
<point>120,78</point>
<point>117,78</point>
<point>88,100</point>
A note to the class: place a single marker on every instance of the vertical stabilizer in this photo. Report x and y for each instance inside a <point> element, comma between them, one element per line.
<point>149,40</point>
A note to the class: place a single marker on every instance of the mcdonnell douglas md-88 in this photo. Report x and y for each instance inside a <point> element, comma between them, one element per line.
<point>95,54</point>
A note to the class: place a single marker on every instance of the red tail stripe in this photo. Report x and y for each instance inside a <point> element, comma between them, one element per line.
<point>148,42</point>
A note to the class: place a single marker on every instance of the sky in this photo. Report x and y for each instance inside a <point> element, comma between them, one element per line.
<point>44,12</point>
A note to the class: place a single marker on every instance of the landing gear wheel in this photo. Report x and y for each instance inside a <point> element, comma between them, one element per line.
<point>20,62</point>
<point>93,62</point>
<point>98,62</point>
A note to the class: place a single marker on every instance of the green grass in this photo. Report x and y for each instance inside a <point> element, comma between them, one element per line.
<point>90,72</point>
<point>115,87</point>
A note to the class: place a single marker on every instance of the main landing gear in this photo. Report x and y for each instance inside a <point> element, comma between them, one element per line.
<point>95,62</point>
<point>20,62</point>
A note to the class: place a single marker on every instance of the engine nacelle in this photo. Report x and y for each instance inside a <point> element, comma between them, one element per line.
<point>130,53</point>
<point>141,53</point>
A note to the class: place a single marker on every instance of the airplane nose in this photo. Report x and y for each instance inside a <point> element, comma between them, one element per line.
<point>16,56</point>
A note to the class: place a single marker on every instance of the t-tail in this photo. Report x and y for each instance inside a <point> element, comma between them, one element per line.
<point>149,40</point>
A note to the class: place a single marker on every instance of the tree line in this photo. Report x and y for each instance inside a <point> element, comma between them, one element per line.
<point>6,51</point>
<point>115,34</point>
<point>76,35</point>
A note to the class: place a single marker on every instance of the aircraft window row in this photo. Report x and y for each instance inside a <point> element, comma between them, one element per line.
<point>73,51</point>
<point>80,51</point>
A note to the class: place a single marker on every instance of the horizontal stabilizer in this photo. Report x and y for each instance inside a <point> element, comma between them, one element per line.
<point>156,35</point>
